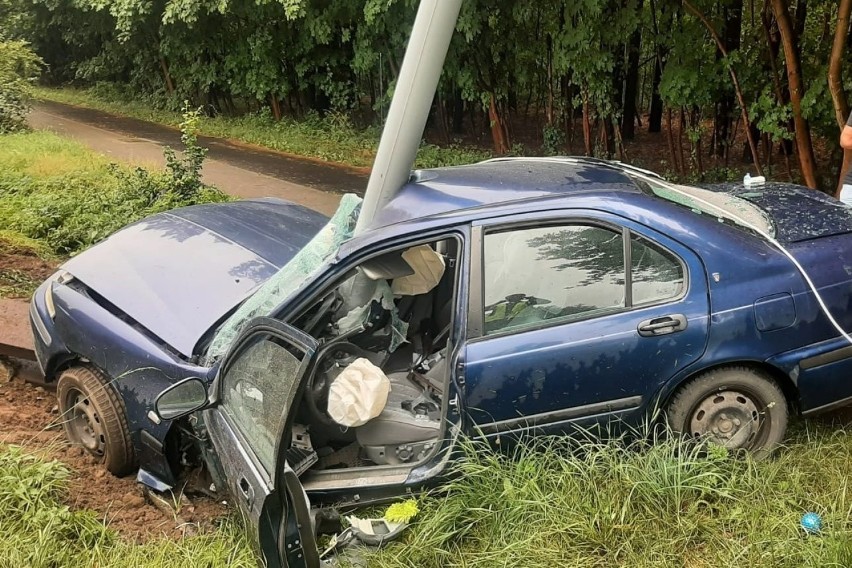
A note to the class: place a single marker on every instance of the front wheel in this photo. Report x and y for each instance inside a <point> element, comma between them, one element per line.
<point>93,417</point>
<point>735,407</point>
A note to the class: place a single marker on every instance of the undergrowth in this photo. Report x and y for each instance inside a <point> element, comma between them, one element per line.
<point>38,531</point>
<point>333,137</point>
<point>558,503</point>
<point>56,193</point>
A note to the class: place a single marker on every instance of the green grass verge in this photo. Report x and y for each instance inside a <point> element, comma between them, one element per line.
<point>332,138</point>
<point>605,505</point>
<point>57,197</point>
<point>65,197</point>
<point>38,531</point>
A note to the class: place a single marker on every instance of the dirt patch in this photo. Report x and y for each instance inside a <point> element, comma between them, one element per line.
<point>21,271</point>
<point>28,417</point>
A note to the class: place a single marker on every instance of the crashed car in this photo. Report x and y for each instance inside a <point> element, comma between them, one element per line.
<point>311,369</point>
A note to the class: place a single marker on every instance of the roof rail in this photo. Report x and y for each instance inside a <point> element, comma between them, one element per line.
<point>621,166</point>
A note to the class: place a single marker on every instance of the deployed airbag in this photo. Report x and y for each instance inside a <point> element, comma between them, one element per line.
<point>428,267</point>
<point>358,394</point>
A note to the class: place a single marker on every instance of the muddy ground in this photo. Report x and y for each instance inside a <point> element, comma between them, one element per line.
<point>21,270</point>
<point>28,417</point>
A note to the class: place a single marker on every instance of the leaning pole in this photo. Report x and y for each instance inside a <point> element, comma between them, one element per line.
<point>409,109</point>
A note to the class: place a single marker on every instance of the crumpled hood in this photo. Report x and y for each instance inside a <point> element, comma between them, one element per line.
<point>180,272</point>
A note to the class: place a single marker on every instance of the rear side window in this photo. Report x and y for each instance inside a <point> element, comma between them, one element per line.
<point>656,274</point>
<point>569,272</point>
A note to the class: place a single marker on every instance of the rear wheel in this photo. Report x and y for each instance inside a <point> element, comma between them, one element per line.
<point>93,417</point>
<point>735,407</point>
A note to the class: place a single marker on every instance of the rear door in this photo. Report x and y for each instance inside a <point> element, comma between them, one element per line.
<point>248,425</point>
<point>581,318</point>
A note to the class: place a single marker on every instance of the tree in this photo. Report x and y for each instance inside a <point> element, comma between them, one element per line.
<point>804,145</point>
<point>835,77</point>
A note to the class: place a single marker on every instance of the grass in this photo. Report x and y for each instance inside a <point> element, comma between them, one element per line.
<point>634,505</point>
<point>38,531</point>
<point>59,194</point>
<point>554,503</point>
<point>332,138</point>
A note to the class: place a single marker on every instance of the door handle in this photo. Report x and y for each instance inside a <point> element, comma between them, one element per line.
<point>662,325</point>
<point>246,490</point>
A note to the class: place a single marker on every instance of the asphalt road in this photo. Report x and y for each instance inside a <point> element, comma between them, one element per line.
<point>239,170</point>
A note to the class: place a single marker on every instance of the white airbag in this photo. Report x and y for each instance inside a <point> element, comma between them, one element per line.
<point>358,394</point>
<point>428,268</point>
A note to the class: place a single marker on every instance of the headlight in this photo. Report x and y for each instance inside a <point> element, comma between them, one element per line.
<point>61,277</point>
<point>48,300</point>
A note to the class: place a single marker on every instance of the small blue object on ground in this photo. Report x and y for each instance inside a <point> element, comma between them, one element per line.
<point>812,523</point>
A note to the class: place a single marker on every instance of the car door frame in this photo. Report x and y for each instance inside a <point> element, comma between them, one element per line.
<point>284,527</point>
<point>351,254</point>
<point>691,261</point>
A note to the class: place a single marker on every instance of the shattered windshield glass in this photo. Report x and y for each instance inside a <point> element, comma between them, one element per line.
<point>291,276</point>
<point>721,205</point>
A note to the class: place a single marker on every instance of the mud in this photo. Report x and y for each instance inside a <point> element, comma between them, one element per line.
<point>28,417</point>
<point>20,271</point>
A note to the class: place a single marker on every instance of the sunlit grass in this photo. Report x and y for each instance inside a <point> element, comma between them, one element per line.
<point>62,196</point>
<point>332,138</point>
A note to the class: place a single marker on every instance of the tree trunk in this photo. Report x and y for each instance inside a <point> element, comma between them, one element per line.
<point>587,125</point>
<point>275,106</point>
<point>671,141</point>
<point>549,106</point>
<point>804,145</point>
<point>835,78</point>
<point>170,86</point>
<point>746,122</point>
<point>724,118</point>
<point>498,131</point>
<point>631,81</point>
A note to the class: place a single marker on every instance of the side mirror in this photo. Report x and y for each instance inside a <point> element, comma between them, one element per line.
<point>181,399</point>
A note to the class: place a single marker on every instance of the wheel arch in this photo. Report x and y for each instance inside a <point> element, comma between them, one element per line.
<point>784,382</point>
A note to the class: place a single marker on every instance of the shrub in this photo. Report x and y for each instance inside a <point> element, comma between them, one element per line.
<point>19,67</point>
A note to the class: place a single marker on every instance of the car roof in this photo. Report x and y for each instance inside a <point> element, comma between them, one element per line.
<point>437,191</point>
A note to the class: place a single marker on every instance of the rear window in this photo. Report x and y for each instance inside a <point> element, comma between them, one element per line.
<point>723,206</point>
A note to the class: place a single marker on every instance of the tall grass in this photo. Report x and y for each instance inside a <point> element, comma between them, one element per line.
<point>38,531</point>
<point>333,138</point>
<point>558,503</point>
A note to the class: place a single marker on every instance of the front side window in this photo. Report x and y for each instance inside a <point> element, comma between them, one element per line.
<point>572,271</point>
<point>257,388</point>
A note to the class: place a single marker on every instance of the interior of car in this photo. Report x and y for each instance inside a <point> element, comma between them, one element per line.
<point>375,394</point>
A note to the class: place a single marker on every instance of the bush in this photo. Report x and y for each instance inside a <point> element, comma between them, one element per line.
<point>19,67</point>
<point>65,197</point>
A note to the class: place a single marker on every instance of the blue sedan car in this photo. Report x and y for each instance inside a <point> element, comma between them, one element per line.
<point>509,297</point>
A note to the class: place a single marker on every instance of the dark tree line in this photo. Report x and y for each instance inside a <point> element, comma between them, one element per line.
<point>753,80</point>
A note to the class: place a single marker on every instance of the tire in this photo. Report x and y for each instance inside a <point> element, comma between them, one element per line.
<point>94,418</point>
<point>736,407</point>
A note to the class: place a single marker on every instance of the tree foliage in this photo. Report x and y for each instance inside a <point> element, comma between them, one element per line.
<point>19,67</point>
<point>512,64</point>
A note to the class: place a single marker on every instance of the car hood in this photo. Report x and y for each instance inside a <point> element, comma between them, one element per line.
<point>180,272</point>
<point>798,213</point>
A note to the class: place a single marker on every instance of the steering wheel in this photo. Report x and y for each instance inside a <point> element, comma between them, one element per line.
<point>330,363</point>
